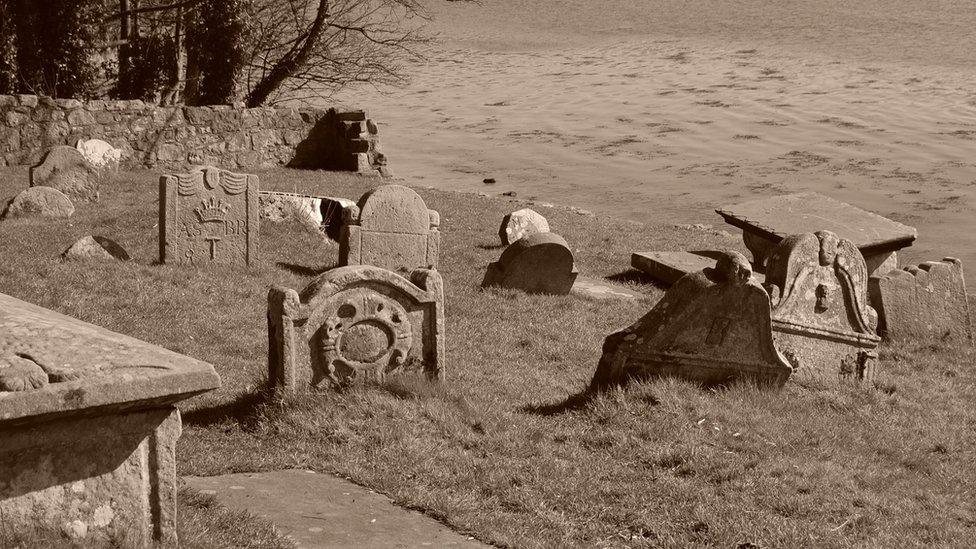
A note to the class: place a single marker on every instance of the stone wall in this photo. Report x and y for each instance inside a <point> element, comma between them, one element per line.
<point>174,137</point>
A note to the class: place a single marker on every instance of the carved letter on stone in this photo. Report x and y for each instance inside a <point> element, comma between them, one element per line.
<point>822,321</point>
<point>712,327</point>
<point>359,322</point>
<point>208,216</point>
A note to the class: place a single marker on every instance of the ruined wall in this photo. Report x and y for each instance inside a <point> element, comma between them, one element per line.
<point>173,137</point>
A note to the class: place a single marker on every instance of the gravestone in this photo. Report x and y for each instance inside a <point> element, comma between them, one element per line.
<point>88,429</point>
<point>668,267</point>
<point>208,216</point>
<point>390,227</point>
<point>100,154</point>
<point>95,247</point>
<point>923,303</point>
<point>768,221</point>
<point>40,201</point>
<point>521,223</point>
<point>822,323</point>
<point>711,327</point>
<point>358,323</point>
<point>539,263</point>
<point>65,169</point>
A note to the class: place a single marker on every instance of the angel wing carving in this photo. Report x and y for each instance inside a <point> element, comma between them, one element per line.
<point>233,183</point>
<point>852,272</point>
<point>188,183</point>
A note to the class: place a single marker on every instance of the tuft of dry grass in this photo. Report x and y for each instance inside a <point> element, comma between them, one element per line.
<point>512,449</point>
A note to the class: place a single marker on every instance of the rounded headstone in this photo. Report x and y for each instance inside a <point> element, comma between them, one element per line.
<point>100,154</point>
<point>540,263</point>
<point>65,169</point>
<point>521,223</point>
<point>40,201</point>
<point>95,247</point>
<point>395,209</point>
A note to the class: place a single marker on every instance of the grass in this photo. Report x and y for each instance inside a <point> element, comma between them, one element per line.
<point>510,449</point>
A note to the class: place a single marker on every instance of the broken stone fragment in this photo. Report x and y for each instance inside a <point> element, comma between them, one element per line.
<point>95,247</point>
<point>521,223</point>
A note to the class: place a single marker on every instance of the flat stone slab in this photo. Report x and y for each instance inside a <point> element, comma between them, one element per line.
<point>668,267</point>
<point>778,217</point>
<point>602,290</point>
<point>319,510</point>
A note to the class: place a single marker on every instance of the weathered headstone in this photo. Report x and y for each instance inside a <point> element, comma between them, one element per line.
<point>100,154</point>
<point>539,263</point>
<point>711,327</point>
<point>40,201</point>
<point>390,227</point>
<point>521,223</point>
<point>668,267</point>
<point>768,221</point>
<point>822,323</point>
<point>88,429</point>
<point>923,303</point>
<point>95,247</point>
<point>65,169</point>
<point>208,216</point>
<point>358,323</point>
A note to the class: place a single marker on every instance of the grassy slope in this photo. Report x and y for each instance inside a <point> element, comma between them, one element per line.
<point>506,450</point>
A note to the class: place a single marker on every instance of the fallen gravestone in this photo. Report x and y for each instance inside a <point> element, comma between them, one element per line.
<point>40,201</point>
<point>601,290</point>
<point>668,267</point>
<point>521,223</point>
<point>95,247</point>
<point>65,169</point>
<point>100,154</point>
<point>390,227</point>
<point>539,263</point>
<point>359,323</point>
<point>208,216</point>
<point>711,327</point>
<point>822,323</point>
<point>766,222</point>
<point>89,429</point>
<point>923,303</point>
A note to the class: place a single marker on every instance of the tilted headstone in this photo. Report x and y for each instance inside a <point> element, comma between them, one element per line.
<point>100,154</point>
<point>208,216</point>
<point>822,323</point>
<point>357,323</point>
<point>711,327</point>
<point>88,429</point>
<point>539,263</point>
<point>40,201</point>
<point>923,303</point>
<point>390,227</point>
<point>521,223</point>
<point>65,169</point>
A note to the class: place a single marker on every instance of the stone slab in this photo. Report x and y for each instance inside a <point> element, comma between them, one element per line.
<point>322,511</point>
<point>668,267</point>
<point>601,290</point>
<point>775,218</point>
<point>87,367</point>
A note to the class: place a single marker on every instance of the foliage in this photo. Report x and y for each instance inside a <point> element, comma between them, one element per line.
<point>217,45</point>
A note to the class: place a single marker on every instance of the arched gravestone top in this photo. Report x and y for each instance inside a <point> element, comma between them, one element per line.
<point>394,209</point>
<point>42,201</point>
<point>538,263</point>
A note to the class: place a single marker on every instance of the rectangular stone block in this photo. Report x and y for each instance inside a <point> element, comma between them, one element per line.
<point>208,216</point>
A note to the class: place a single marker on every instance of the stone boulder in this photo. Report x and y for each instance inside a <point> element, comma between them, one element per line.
<point>100,154</point>
<point>40,201</point>
<point>95,247</point>
<point>521,223</point>
<point>65,169</point>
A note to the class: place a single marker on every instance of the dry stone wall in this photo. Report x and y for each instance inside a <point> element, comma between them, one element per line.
<point>175,137</point>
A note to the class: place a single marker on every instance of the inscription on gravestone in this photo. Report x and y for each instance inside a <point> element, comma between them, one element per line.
<point>208,216</point>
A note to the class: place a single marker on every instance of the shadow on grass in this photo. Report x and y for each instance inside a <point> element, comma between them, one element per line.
<point>637,277</point>
<point>240,410</point>
<point>303,270</point>
<point>569,404</point>
<point>490,246</point>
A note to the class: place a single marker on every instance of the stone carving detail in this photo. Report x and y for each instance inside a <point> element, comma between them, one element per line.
<point>539,263</point>
<point>208,216</point>
<point>712,327</point>
<point>924,302</point>
<point>359,322</point>
<point>822,321</point>
<point>390,227</point>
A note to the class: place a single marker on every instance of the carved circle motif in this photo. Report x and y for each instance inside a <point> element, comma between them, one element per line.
<point>366,333</point>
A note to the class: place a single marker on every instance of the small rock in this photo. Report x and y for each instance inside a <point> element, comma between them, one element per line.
<point>95,247</point>
<point>100,154</point>
<point>40,201</point>
<point>489,181</point>
<point>521,223</point>
<point>513,194</point>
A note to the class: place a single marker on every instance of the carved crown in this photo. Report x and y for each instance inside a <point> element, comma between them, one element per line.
<point>212,210</point>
